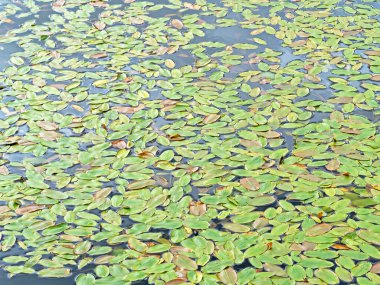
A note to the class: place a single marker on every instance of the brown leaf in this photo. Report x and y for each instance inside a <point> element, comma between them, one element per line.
<point>185,262</point>
<point>162,50</point>
<point>98,4</point>
<point>176,281</point>
<point>55,54</point>
<point>179,249</point>
<point>58,3</point>
<point>318,230</point>
<point>191,6</point>
<point>376,268</point>
<point>167,102</point>
<point>336,116</point>
<point>197,208</point>
<point>298,43</point>
<point>167,108</point>
<point>333,165</point>
<point>58,85</point>
<point>372,52</point>
<point>6,111</point>
<point>250,143</point>
<point>313,78</point>
<point>177,24</point>
<point>39,82</point>
<point>271,135</point>
<point>101,194</point>
<point>29,209</point>
<point>120,144</point>
<point>341,100</point>
<point>376,77</point>
<point>4,209</point>
<point>304,152</point>
<point>308,246</point>
<point>296,247</point>
<point>192,169</point>
<point>211,118</point>
<point>129,110</point>
<point>311,177</point>
<point>162,181</point>
<point>176,137</point>
<point>99,25</point>
<point>136,21</point>
<point>103,259</point>
<point>99,55</point>
<point>350,131</point>
<point>351,33</point>
<point>5,20</point>
<point>145,154</point>
<point>228,276</point>
<point>70,238</point>
<point>260,223</point>
<point>250,183</point>
<point>77,107</point>
<point>340,246</point>
<point>48,126</point>
<point>49,135</point>
<point>128,79</point>
<point>4,170</point>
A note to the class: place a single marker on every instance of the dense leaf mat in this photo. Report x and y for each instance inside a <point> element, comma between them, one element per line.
<point>174,142</point>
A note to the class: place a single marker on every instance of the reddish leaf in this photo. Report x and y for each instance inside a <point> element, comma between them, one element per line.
<point>58,3</point>
<point>333,165</point>
<point>129,110</point>
<point>99,55</point>
<point>120,144</point>
<point>340,246</point>
<point>48,126</point>
<point>197,208</point>
<point>211,118</point>
<point>99,25</point>
<point>177,24</point>
<point>29,209</point>
<point>250,183</point>
<point>4,170</point>
<point>318,230</point>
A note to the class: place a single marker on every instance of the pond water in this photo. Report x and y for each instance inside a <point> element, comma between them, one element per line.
<point>171,141</point>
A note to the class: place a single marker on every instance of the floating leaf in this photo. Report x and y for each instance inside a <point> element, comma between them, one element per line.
<point>250,183</point>
<point>236,228</point>
<point>228,276</point>
<point>176,23</point>
<point>184,262</point>
<point>29,209</point>
<point>327,276</point>
<point>318,229</point>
